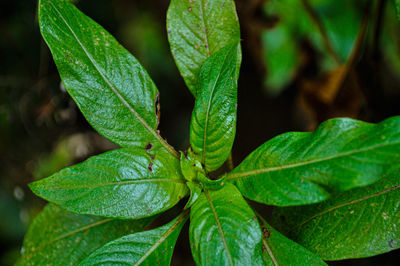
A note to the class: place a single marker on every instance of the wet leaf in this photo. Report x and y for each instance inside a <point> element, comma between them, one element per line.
<point>113,91</point>
<point>299,168</point>
<point>279,250</point>
<point>358,223</point>
<point>224,229</point>
<point>124,183</point>
<point>59,237</point>
<point>213,124</point>
<point>153,247</point>
<point>195,192</point>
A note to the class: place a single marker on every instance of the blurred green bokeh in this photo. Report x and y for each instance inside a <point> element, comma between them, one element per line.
<point>340,19</point>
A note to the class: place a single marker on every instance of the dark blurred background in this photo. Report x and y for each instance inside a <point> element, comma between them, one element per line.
<point>304,61</point>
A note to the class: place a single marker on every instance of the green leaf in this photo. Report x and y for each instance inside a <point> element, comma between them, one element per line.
<point>358,223</point>
<point>211,184</point>
<point>279,250</point>
<point>126,183</point>
<point>196,30</point>
<point>110,87</point>
<point>213,124</point>
<point>58,237</point>
<point>195,192</point>
<point>224,230</point>
<point>190,165</point>
<point>153,247</point>
<point>299,168</point>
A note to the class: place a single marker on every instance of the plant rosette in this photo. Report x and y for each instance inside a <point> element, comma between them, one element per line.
<point>336,190</point>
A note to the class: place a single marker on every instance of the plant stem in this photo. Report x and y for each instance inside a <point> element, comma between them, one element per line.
<point>229,162</point>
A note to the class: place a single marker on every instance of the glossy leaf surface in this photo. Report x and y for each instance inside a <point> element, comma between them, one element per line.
<point>59,237</point>
<point>279,250</point>
<point>224,229</point>
<point>213,124</point>
<point>358,223</point>
<point>195,192</point>
<point>299,168</point>
<point>111,88</point>
<point>197,30</point>
<point>153,247</point>
<point>125,183</point>
<point>190,165</point>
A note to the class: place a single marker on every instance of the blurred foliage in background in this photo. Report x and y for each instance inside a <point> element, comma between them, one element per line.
<point>304,61</point>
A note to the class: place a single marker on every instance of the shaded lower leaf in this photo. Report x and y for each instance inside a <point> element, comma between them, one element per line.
<point>299,168</point>
<point>127,183</point>
<point>358,223</point>
<point>59,237</point>
<point>224,229</point>
<point>153,247</point>
<point>279,250</point>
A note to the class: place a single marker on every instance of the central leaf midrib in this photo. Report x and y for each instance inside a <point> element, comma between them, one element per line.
<point>262,223</point>
<point>235,176</point>
<point>123,183</point>
<point>204,28</point>
<point>367,197</point>
<point>125,102</point>
<point>77,230</point>
<point>219,226</point>
<point>203,159</point>
<point>270,253</point>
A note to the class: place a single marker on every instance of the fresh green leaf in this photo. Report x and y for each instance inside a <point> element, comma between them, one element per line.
<point>358,223</point>
<point>196,30</point>
<point>279,250</point>
<point>213,124</point>
<point>195,192</point>
<point>224,229</point>
<point>211,184</point>
<point>299,168</point>
<point>58,237</point>
<point>190,165</point>
<point>398,8</point>
<point>126,183</point>
<point>153,247</point>
<point>111,88</point>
